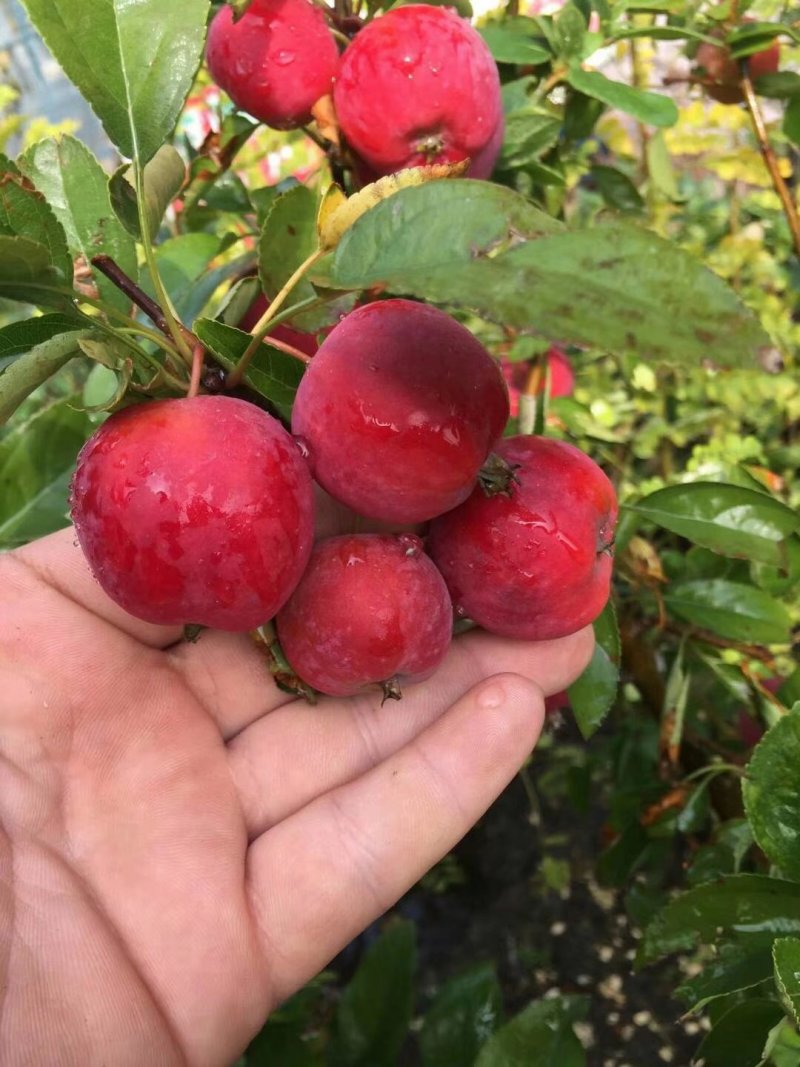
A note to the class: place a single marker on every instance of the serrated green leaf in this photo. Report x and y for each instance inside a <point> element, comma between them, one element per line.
<point>133,62</point>
<point>731,609</point>
<point>19,379</point>
<point>727,519</point>
<point>463,1016</point>
<point>592,695</point>
<point>272,374</point>
<point>516,40</point>
<point>739,1037</point>
<point>76,187</point>
<point>375,1010</point>
<point>529,133</point>
<point>738,965</point>
<point>37,458</point>
<point>618,191</point>
<point>540,1036</point>
<point>654,109</point>
<point>463,243</point>
<point>742,904</point>
<point>24,212</point>
<point>20,337</point>
<point>28,275</point>
<point>163,179</point>
<point>786,957</point>
<point>771,793</point>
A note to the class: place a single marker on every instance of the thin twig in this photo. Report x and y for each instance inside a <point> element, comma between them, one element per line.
<point>770,159</point>
<point>290,350</point>
<point>126,285</point>
<point>197,369</point>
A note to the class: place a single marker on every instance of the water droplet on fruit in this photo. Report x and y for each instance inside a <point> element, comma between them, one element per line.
<point>284,58</point>
<point>302,447</point>
<point>412,545</point>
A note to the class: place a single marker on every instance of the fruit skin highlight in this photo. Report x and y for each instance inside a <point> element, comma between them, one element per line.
<point>418,86</point>
<point>194,511</point>
<point>370,608</point>
<point>535,564</point>
<point>399,409</point>
<point>276,61</point>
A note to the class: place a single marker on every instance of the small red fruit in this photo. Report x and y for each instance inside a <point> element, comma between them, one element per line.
<point>419,86</point>
<point>398,410</point>
<point>371,608</point>
<point>562,377</point>
<point>721,73</point>
<point>194,511</point>
<point>306,342</point>
<point>276,61</point>
<point>535,564</point>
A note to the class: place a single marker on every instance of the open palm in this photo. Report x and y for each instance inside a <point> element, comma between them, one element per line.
<point>182,845</point>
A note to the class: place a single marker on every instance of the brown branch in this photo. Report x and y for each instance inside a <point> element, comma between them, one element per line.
<point>107,266</point>
<point>770,159</point>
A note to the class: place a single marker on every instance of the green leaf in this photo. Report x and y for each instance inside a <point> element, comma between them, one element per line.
<point>730,520</point>
<point>738,1039</point>
<point>528,135</point>
<point>540,1036</point>
<point>791,121</point>
<point>272,374</point>
<point>76,187</point>
<point>24,212</point>
<point>789,692</point>
<point>771,793</point>
<point>730,609</point>
<point>27,274</point>
<point>19,379</point>
<point>37,458</point>
<point>288,238</point>
<point>659,166</point>
<point>133,62</point>
<point>516,40</point>
<point>181,262</point>
<point>592,695</point>
<point>569,31</point>
<point>163,176</point>
<point>465,1013</point>
<point>786,957</point>
<point>375,1010</point>
<point>738,965</point>
<point>654,109</point>
<point>743,904</point>
<point>20,337</point>
<point>463,243</point>
<point>783,85</point>
<point>617,190</point>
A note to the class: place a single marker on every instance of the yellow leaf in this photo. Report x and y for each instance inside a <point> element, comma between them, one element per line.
<point>332,199</point>
<point>340,216</point>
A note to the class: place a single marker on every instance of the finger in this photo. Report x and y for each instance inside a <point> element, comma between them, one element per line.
<point>322,876</point>
<point>285,759</point>
<point>60,566</point>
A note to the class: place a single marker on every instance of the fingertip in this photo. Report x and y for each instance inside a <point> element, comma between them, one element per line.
<point>517,708</point>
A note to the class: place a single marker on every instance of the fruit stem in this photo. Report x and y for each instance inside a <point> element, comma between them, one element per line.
<point>264,324</point>
<point>290,350</point>
<point>770,159</point>
<point>197,369</point>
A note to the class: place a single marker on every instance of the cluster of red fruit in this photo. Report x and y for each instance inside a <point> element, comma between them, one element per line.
<point>202,510</point>
<point>416,86</point>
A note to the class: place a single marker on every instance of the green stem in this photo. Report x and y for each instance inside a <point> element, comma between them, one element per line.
<point>265,323</point>
<point>149,254</point>
<point>170,379</point>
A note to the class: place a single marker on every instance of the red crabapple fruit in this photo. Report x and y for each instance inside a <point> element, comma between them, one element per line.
<point>276,61</point>
<point>398,410</point>
<point>194,511</point>
<point>535,563</point>
<point>722,74</point>
<point>418,86</point>
<point>370,608</point>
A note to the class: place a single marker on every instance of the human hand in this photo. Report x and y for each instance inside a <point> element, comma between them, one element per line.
<point>182,845</point>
